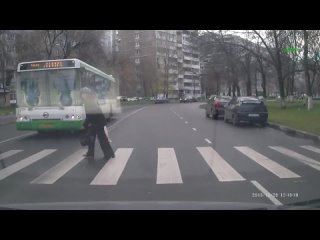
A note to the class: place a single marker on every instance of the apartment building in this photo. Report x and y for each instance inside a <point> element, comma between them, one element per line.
<point>162,63</point>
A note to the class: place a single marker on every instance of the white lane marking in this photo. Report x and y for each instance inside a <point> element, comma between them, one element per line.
<point>267,163</point>
<point>311,148</point>
<point>112,170</point>
<point>56,172</point>
<point>309,161</point>
<point>24,163</point>
<point>9,154</point>
<point>266,193</point>
<point>194,129</point>
<point>186,122</point>
<point>221,168</point>
<point>168,168</point>
<point>207,140</point>
<point>9,139</point>
<point>122,119</point>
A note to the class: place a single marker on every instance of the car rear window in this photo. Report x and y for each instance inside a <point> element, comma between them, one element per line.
<point>253,107</point>
<point>225,100</point>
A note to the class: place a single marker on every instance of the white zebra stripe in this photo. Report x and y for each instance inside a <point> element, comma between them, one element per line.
<point>221,168</point>
<point>9,154</point>
<point>267,163</point>
<point>112,170</point>
<point>311,148</point>
<point>309,161</point>
<point>24,163</point>
<point>168,171</point>
<point>56,172</point>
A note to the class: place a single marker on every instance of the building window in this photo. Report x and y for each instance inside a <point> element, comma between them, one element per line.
<point>137,60</point>
<point>137,52</point>
<point>137,44</point>
<point>10,37</point>
<point>137,36</point>
<point>10,48</point>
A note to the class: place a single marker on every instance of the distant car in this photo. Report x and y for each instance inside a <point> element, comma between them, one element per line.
<point>246,109</point>
<point>122,98</point>
<point>187,99</point>
<point>215,106</point>
<point>132,99</point>
<point>212,97</point>
<point>161,100</point>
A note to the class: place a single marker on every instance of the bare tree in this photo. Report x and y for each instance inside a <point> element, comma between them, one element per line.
<point>306,67</point>
<point>3,57</point>
<point>50,40</point>
<point>247,66</point>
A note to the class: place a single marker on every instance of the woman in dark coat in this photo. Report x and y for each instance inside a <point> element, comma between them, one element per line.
<point>94,124</point>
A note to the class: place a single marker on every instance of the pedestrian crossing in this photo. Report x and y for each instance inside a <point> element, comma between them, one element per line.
<point>168,166</point>
<point>112,170</point>
<point>221,168</point>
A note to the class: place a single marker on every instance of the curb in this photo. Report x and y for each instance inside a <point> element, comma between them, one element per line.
<point>6,114</point>
<point>294,132</point>
<point>7,119</point>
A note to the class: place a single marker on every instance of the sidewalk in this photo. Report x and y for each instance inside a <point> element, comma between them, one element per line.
<point>294,132</point>
<point>6,119</point>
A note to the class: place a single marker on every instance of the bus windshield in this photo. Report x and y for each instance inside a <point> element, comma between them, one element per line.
<point>47,88</point>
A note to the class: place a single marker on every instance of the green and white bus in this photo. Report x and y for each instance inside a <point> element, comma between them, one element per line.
<point>48,94</point>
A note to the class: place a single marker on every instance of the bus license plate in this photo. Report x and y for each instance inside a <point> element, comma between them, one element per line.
<point>46,125</point>
<point>253,115</point>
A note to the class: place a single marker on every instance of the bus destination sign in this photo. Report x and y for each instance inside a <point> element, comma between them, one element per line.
<point>47,65</point>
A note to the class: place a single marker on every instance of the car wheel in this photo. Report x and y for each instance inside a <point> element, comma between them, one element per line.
<point>225,119</point>
<point>235,121</point>
<point>215,116</point>
<point>207,114</point>
<point>263,124</point>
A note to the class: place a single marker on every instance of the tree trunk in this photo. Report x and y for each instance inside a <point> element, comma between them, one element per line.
<point>248,85</point>
<point>306,70</point>
<point>279,70</point>
<point>263,84</point>
<point>256,83</point>
<point>238,89</point>
<point>233,90</point>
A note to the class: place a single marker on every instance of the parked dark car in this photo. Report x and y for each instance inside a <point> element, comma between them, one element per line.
<point>246,109</point>
<point>161,100</point>
<point>188,99</point>
<point>215,106</point>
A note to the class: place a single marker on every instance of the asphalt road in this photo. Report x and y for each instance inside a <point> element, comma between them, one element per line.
<point>164,153</point>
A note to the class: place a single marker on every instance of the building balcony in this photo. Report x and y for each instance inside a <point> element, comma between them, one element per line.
<point>171,71</point>
<point>191,88</point>
<point>186,65</point>
<point>186,43</point>
<point>191,58</point>
<point>187,80</point>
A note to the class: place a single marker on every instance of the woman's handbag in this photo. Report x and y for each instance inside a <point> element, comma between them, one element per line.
<point>86,138</point>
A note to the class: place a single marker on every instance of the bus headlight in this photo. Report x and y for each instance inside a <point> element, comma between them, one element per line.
<point>23,118</point>
<point>79,117</point>
<point>72,117</point>
<point>67,116</point>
